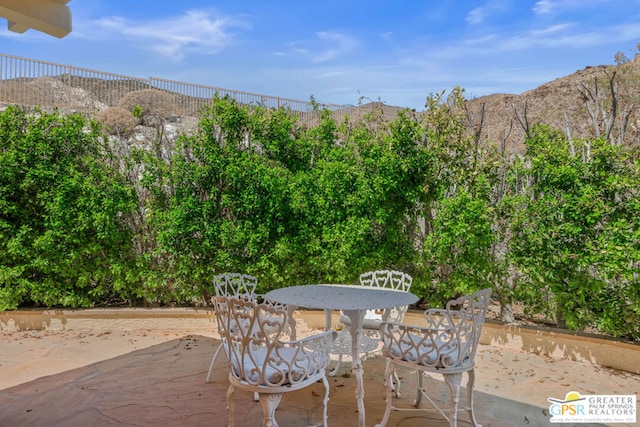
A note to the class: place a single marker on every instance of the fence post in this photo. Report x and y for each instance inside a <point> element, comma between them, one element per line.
<point>69,86</point>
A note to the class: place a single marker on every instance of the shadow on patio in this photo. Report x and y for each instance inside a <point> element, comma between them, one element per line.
<point>164,385</point>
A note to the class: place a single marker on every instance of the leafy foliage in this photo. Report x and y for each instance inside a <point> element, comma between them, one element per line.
<point>556,228</point>
<point>252,192</point>
<point>578,233</point>
<point>63,240</point>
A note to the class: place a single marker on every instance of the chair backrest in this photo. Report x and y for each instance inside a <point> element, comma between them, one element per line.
<point>249,331</point>
<point>462,319</point>
<point>235,284</point>
<point>390,279</point>
<point>252,336</point>
<point>387,279</point>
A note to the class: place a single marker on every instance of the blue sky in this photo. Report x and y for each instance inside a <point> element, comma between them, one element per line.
<point>395,51</point>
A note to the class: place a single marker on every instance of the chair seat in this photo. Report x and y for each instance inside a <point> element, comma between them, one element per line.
<point>289,366</point>
<point>437,355</point>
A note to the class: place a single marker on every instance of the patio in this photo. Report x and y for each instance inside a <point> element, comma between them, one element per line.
<point>147,368</point>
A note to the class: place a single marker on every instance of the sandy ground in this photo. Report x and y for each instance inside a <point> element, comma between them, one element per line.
<point>512,385</point>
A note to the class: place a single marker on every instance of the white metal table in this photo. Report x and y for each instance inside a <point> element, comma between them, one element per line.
<point>354,301</point>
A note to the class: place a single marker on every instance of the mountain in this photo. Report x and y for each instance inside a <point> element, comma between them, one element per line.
<point>565,104</point>
<point>581,105</point>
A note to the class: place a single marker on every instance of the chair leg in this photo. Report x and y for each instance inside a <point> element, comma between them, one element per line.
<point>388,372</point>
<point>215,355</point>
<point>419,388</point>
<point>270,402</point>
<point>230,391</point>
<point>470,385</point>
<point>256,396</point>
<point>396,382</point>
<point>453,381</point>
<point>325,401</point>
<point>336,368</point>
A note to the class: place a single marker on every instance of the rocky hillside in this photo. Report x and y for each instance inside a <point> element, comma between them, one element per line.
<point>564,104</point>
<point>567,103</point>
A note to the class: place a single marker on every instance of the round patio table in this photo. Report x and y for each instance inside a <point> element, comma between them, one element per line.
<point>354,301</point>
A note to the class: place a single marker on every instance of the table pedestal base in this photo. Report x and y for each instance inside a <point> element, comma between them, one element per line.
<point>356,317</point>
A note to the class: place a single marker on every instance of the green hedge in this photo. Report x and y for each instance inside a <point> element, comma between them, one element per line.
<point>83,224</point>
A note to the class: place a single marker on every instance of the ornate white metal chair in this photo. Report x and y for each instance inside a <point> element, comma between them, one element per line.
<point>447,345</point>
<point>262,361</point>
<point>230,285</point>
<point>373,319</point>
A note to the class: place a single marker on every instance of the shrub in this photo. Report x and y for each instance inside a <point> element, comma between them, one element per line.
<point>64,238</point>
<point>117,121</point>
<point>153,102</point>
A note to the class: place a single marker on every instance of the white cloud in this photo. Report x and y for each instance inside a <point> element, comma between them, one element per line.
<point>483,39</point>
<point>341,45</point>
<point>560,36</point>
<point>330,74</point>
<point>489,9</point>
<point>543,7</point>
<point>551,30</point>
<point>193,32</point>
<point>328,46</point>
<point>476,16</point>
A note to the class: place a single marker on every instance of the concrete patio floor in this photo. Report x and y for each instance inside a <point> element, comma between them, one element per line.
<point>150,371</point>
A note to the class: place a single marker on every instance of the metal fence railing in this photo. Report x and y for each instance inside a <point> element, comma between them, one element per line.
<point>31,82</point>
